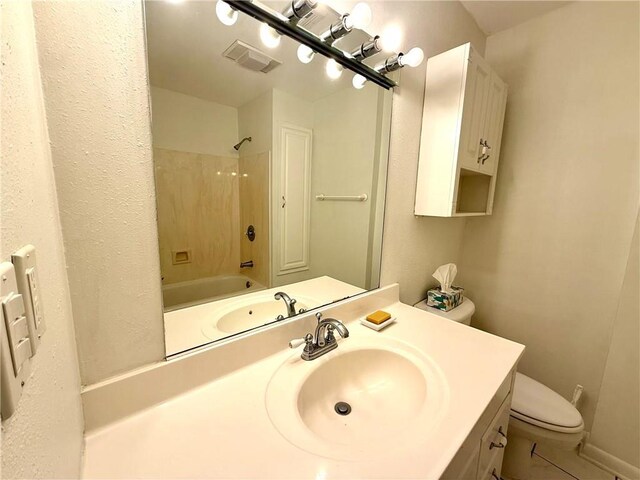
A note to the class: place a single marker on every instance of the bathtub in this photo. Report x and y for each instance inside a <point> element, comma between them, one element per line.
<point>203,290</point>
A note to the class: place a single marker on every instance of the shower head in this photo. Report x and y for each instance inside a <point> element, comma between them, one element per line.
<point>245,139</point>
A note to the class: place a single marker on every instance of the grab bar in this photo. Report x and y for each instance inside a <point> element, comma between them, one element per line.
<point>343,198</point>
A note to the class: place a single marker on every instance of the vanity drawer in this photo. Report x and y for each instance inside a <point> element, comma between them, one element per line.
<point>493,442</point>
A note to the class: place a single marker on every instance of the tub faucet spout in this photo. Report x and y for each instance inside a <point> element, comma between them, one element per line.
<point>248,264</point>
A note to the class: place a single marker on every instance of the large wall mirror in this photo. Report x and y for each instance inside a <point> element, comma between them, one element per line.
<point>268,173</point>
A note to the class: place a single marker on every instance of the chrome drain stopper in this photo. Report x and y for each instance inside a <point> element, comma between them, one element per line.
<point>342,408</point>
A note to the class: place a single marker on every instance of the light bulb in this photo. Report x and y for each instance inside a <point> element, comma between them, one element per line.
<point>269,36</point>
<point>391,38</point>
<point>305,54</point>
<point>413,57</point>
<point>227,15</point>
<point>360,17</point>
<point>333,69</point>
<point>358,81</point>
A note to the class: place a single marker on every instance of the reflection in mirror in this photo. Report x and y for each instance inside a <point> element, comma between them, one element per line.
<point>270,175</point>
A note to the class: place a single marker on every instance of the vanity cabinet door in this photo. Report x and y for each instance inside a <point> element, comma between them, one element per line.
<point>493,443</point>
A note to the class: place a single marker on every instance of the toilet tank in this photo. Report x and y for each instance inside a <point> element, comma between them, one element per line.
<point>461,314</point>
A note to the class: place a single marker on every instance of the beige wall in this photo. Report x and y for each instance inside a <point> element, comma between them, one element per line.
<point>92,56</point>
<point>413,247</point>
<point>198,212</point>
<point>43,438</point>
<point>344,144</point>
<point>616,425</point>
<point>255,120</point>
<point>189,124</point>
<point>547,268</point>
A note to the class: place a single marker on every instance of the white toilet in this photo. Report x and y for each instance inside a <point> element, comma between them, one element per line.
<point>538,414</point>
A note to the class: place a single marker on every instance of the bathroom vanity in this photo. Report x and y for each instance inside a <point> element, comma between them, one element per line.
<point>430,399</point>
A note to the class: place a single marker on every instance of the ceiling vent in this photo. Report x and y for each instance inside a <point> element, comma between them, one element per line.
<point>250,57</point>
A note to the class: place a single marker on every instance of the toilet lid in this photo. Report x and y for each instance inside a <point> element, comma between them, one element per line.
<point>537,404</point>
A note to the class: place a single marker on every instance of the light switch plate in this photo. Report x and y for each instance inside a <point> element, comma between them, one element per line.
<point>24,261</point>
<point>12,383</point>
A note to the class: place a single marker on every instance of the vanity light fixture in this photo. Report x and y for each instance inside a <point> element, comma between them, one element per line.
<point>298,9</point>
<point>391,38</point>
<point>367,49</point>
<point>360,17</point>
<point>269,36</point>
<point>305,54</point>
<point>333,69</point>
<point>412,58</point>
<point>358,81</point>
<point>226,13</point>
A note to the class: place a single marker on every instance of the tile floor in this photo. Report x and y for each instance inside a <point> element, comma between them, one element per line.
<point>551,464</point>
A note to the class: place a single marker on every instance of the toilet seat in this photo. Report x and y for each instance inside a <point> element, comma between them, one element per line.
<point>536,404</point>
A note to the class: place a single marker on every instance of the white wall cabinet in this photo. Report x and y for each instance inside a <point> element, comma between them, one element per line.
<point>462,122</point>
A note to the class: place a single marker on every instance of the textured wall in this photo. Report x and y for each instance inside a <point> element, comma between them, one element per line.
<point>616,424</point>
<point>413,247</point>
<point>546,269</point>
<point>93,64</point>
<point>43,438</point>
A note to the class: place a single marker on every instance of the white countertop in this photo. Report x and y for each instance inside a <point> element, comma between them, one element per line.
<point>222,429</point>
<point>185,328</point>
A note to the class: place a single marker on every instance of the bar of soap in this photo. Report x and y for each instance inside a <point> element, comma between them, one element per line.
<point>378,317</point>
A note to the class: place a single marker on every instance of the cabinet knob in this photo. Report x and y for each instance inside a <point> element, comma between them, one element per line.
<point>502,440</point>
<point>495,476</point>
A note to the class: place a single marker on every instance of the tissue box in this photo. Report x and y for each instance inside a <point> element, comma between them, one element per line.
<point>444,301</point>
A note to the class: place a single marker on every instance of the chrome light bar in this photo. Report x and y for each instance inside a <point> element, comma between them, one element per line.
<point>315,43</point>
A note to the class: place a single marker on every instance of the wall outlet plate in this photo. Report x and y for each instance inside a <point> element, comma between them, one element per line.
<point>24,261</point>
<point>11,383</point>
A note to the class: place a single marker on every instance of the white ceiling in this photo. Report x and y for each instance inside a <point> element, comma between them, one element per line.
<point>495,16</point>
<point>185,43</point>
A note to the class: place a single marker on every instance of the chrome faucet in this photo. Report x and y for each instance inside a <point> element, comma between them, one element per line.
<point>324,340</point>
<point>289,302</point>
<point>247,264</point>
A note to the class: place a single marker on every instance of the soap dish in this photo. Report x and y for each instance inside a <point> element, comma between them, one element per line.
<point>375,327</point>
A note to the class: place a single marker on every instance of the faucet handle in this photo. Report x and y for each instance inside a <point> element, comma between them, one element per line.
<point>308,339</point>
<point>319,316</point>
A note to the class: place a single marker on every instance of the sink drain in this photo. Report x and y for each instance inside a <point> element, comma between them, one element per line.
<point>342,408</point>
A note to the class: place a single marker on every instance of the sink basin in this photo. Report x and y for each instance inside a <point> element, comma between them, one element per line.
<point>357,401</point>
<point>249,313</point>
<point>253,315</point>
<point>384,390</point>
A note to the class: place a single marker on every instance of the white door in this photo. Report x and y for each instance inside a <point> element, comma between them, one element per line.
<point>295,196</point>
<point>496,103</point>
<point>473,111</point>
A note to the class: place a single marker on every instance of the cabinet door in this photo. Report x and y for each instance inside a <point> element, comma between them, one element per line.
<point>294,211</point>
<point>493,443</point>
<point>474,111</point>
<point>496,102</point>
